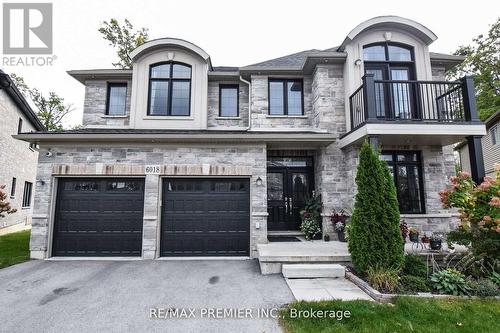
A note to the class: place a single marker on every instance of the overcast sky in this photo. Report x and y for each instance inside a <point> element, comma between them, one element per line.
<point>237,33</point>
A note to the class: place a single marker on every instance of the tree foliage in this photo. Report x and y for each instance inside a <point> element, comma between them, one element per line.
<point>51,109</point>
<point>483,62</point>
<point>4,204</point>
<point>124,39</point>
<point>375,240</point>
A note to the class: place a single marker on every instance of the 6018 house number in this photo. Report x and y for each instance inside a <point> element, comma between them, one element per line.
<point>152,169</point>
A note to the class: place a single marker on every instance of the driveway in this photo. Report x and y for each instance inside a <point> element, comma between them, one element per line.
<point>120,296</point>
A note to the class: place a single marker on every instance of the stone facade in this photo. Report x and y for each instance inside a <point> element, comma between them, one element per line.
<point>94,106</point>
<point>17,160</point>
<point>237,160</point>
<point>214,120</point>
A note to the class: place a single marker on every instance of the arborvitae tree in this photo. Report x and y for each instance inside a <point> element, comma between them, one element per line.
<point>374,236</point>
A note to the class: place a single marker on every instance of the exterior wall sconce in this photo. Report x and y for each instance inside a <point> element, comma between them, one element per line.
<point>259,181</point>
<point>358,62</point>
<point>40,182</point>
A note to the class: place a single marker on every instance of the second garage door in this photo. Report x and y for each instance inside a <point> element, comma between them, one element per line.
<point>205,217</point>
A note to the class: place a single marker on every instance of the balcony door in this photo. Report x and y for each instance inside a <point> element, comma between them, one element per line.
<point>392,65</point>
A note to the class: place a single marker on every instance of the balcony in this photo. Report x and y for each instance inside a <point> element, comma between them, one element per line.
<point>413,112</point>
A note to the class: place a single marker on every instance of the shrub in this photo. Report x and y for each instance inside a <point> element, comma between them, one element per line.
<point>485,288</point>
<point>410,283</point>
<point>414,265</point>
<point>374,237</point>
<point>311,216</point>
<point>479,207</point>
<point>495,278</point>
<point>450,281</point>
<point>383,279</point>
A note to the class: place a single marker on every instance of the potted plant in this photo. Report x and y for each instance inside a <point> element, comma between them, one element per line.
<point>413,232</point>
<point>311,217</point>
<point>404,230</point>
<point>435,241</point>
<point>339,221</point>
<point>425,239</point>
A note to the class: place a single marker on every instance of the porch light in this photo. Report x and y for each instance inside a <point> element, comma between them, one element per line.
<point>258,181</point>
<point>4,81</point>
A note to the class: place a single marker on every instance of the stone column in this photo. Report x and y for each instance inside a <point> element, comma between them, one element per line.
<point>150,230</point>
<point>44,187</point>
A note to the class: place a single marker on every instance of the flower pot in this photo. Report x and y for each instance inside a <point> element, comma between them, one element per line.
<point>327,238</point>
<point>341,235</point>
<point>414,238</point>
<point>436,244</point>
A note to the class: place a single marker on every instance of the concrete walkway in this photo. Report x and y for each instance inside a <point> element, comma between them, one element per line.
<point>14,228</point>
<point>323,289</point>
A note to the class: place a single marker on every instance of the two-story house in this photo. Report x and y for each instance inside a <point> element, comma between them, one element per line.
<point>18,159</point>
<point>180,158</point>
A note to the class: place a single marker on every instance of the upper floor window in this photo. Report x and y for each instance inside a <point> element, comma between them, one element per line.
<point>169,89</point>
<point>285,97</point>
<point>495,134</point>
<point>387,52</point>
<point>117,99</point>
<point>228,100</point>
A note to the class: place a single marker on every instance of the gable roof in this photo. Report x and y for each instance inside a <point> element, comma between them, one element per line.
<point>17,97</point>
<point>288,61</point>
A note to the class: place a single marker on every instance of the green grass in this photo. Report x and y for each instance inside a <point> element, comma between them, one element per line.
<point>406,315</point>
<point>14,248</point>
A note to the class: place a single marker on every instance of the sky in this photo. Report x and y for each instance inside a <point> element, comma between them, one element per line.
<point>235,33</point>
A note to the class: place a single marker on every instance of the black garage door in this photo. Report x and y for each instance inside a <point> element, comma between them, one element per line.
<point>98,217</point>
<point>205,217</point>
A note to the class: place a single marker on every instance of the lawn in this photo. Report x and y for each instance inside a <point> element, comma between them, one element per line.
<point>14,248</point>
<point>407,314</point>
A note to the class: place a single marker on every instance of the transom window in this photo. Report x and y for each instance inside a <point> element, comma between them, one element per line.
<point>169,89</point>
<point>406,168</point>
<point>228,100</point>
<point>117,99</point>
<point>387,52</point>
<point>285,97</point>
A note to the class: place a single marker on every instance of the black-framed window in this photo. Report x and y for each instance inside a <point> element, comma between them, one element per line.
<point>116,99</point>
<point>13,187</point>
<point>20,126</point>
<point>406,168</point>
<point>286,97</point>
<point>169,89</point>
<point>381,52</point>
<point>28,187</point>
<point>229,100</point>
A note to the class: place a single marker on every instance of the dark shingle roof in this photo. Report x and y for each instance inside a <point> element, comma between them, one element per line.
<point>290,60</point>
<point>225,69</point>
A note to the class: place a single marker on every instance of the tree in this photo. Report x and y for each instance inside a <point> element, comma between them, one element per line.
<point>51,109</point>
<point>375,239</point>
<point>4,204</point>
<point>124,39</point>
<point>483,62</point>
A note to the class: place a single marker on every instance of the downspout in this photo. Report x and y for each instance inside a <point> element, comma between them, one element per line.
<point>249,103</point>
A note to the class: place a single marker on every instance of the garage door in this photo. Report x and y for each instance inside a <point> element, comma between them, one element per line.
<point>205,217</point>
<point>98,217</point>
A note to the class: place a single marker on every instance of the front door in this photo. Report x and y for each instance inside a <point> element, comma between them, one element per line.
<point>287,190</point>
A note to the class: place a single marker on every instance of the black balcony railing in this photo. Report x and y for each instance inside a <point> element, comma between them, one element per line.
<point>408,101</point>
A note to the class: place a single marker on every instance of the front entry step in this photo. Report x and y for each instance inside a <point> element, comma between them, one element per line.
<point>298,271</point>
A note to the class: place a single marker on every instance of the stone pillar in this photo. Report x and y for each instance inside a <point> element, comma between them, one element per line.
<point>150,228</point>
<point>44,187</point>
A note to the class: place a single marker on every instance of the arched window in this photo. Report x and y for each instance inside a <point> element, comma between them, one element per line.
<point>169,89</point>
<point>392,62</point>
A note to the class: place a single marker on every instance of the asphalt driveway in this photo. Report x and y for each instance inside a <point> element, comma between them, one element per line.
<point>120,296</point>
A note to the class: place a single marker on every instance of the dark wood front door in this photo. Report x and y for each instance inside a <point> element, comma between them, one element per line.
<point>287,190</point>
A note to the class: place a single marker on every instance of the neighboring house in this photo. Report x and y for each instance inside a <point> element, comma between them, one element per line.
<point>490,147</point>
<point>18,159</point>
<point>180,158</point>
